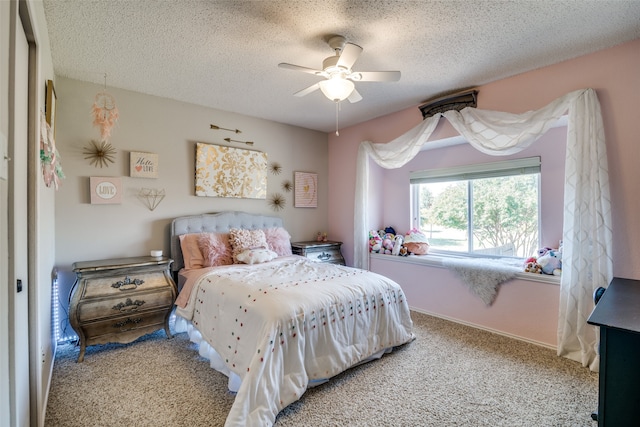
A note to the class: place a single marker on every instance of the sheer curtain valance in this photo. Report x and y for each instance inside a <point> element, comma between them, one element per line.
<point>587,236</point>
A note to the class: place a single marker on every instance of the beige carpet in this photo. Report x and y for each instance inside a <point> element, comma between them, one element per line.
<point>451,375</point>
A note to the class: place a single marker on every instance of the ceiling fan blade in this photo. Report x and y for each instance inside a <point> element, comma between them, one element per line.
<point>349,55</point>
<point>375,76</point>
<point>354,97</point>
<point>300,68</point>
<point>308,90</point>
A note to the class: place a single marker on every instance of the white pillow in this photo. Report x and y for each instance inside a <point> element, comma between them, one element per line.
<point>256,256</point>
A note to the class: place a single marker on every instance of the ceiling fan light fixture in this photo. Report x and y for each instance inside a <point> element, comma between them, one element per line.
<point>336,88</point>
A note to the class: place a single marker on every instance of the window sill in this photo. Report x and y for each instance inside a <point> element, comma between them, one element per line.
<point>436,261</point>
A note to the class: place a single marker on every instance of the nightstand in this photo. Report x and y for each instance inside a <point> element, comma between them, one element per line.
<point>120,300</point>
<point>319,251</point>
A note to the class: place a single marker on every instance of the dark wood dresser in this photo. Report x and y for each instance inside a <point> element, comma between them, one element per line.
<point>618,315</point>
<point>319,251</point>
<point>119,300</point>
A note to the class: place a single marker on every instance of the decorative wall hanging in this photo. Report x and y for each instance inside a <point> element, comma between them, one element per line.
<point>275,168</point>
<point>105,190</point>
<point>241,142</point>
<point>214,127</point>
<point>143,165</point>
<point>223,171</point>
<point>49,156</point>
<point>306,190</point>
<point>105,112</point>
<point>50,106</point>
<point>99,153</point>
<point>287,186</point>
<point>277,202</point>
<point>151,197</point>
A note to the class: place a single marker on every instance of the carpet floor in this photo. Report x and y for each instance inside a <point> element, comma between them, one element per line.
<point>451,375</point>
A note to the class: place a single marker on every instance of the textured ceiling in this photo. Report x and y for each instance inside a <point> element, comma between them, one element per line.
<point>225,54</point>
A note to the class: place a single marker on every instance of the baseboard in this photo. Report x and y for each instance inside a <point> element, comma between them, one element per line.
<point>45,398</point>
<point>484,328</point>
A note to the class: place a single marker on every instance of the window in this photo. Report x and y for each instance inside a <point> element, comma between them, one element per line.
<point>489,209</point>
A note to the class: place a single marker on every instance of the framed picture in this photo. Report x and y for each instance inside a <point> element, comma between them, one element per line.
<point>105,190</point>
<point>306,190</point>
<point>50,106</point>
<point>223,171</point>
<point>143,165</point>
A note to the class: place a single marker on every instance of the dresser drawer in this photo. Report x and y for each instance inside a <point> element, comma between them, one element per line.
<point>319,251</point>
<point>115,329</point>
<point>121,285</point>
<point>99,308</point>
<point>324,255</point>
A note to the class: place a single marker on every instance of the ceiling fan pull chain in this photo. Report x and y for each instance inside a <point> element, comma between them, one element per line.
<point>337,109</point>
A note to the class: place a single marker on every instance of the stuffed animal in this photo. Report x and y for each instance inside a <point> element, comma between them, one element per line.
<point>397,245</point>
<point>543,251</point>
<point>533,267</point>
<point>551,262</point>
<point>388,243</point>
<point>375,241</point>
<point>416,242</point>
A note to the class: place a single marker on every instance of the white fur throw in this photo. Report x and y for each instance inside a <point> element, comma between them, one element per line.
<point>483,276</point>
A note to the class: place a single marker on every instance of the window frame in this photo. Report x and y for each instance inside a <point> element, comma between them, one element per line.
<point>468,173</point>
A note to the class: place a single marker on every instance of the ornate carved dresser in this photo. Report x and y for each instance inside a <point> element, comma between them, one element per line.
<point>319,251</point>
<point>119,300</point>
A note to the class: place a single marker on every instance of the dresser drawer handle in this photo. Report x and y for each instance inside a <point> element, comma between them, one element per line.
<point>324,256</point>
<point>128,305</point>
<point>129,321</point>
<point>127,284</point>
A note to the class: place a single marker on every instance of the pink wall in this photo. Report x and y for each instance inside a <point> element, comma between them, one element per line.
<point>531,307</point>
<point>614,75</point>
<point>523,308</point>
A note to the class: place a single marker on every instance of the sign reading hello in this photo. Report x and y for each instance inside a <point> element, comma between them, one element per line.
<point>143,165</point>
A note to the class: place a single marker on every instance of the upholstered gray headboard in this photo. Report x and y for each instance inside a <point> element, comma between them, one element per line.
<point>214,223</point>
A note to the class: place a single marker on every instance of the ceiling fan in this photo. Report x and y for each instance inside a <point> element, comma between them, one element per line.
<point>339,77</point>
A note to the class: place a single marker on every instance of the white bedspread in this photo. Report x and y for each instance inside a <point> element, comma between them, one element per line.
<point>281,324</point>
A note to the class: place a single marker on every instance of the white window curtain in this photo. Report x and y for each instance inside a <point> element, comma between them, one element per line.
<point>587,236</point>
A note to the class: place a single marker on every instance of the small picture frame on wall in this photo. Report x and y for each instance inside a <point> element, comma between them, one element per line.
<point>50,106</point>
<point>143,165</point>
<point>105,190</point>
<point>306,190</point>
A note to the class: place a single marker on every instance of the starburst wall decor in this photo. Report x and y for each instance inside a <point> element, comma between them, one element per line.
<point>99,153</point>
<point>277,202</point>
<point>275,168</point>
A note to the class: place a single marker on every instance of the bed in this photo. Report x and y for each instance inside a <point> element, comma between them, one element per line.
<point>278,323</point>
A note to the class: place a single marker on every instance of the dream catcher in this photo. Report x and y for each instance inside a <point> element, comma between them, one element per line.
<point>105,112</point>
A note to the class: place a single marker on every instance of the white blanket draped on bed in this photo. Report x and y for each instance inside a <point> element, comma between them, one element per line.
<point>279,332</point>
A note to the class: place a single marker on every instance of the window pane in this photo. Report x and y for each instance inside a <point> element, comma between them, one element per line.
<point>503,218</point>
<point>444,215</point>
<point>505,215</point>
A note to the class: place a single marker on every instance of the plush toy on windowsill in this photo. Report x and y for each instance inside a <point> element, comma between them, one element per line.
<point>388,242</point>
<point>551,262</point>
<point>375,242</point>
<point>547,261</point>
<point>532,266</point>
<point>416,242</point>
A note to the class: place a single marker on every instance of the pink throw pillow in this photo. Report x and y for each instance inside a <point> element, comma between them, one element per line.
<point>191,254</point>
<point>215,249</point>
<point>278,240</point>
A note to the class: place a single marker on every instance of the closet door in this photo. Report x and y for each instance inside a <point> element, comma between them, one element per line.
<point>17,218</point>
